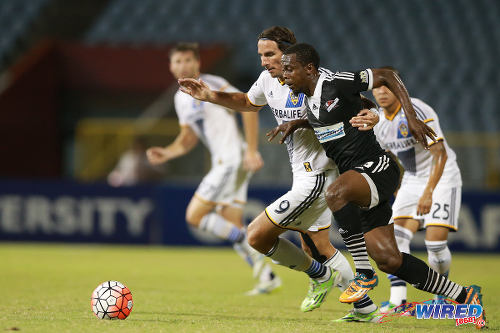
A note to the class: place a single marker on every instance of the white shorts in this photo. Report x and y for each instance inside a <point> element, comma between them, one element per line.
<point>445,207</point>
<point>225,185</point>
<point>304,206</point>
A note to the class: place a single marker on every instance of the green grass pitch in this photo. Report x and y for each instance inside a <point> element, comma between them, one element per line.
<point>47,288</point>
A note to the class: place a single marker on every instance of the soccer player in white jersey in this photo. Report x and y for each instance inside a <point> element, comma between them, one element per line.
<point>304,207</point>
<point>217,205</point>
<point>430,193</point>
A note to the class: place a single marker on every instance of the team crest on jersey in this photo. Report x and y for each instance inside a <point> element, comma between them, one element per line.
<point>403,131</point>
<point>363,75</point>
<point>197,104</point>
<point>331,104</point>
<point>294,101</point>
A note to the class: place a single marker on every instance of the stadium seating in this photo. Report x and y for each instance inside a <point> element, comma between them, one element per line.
<point>444,49</point>
<point>16,17</point>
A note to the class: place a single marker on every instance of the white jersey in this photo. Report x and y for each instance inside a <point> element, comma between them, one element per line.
<point>305,152</point>
<point>394,135</point>
<point>214,125</point>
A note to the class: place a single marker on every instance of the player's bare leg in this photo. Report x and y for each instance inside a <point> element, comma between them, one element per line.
<point>352,187</point>
<point>226,223</point>
<point>262,272</point>
<point>263,235</point>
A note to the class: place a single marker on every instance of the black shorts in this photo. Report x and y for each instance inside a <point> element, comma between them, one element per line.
<point>382,175</point>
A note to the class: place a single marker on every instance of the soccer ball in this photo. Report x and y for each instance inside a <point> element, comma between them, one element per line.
<point>111,300</point>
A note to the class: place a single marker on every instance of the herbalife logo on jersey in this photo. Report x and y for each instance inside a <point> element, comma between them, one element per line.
<point>294,101</point>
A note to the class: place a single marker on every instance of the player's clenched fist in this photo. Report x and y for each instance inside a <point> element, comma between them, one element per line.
<point>157,155</point>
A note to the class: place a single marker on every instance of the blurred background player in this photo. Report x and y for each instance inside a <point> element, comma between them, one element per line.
<point>134,168</point>
<point>430,192</point>
<point>217,205</point>
<point>304,207</point>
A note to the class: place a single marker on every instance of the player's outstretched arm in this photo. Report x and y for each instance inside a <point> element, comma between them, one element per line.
<point>287,129</point>
<point>185,141</point>
<point>390,78</point>
<point>439,157</point>
<point>233,100</point>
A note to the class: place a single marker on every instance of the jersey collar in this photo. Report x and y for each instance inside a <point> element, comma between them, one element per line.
<point>394,114</point>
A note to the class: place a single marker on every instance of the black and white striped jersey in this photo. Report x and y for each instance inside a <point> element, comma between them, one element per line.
<point>335,101</point>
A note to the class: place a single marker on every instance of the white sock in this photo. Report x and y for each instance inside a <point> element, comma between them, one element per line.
<point>285,253</point>
<point>339,263</point>
<point>398,295</point>
<point>220,227</point>
<point>248,253</point>
<point>403,238</point>
<point>266,273</point>
<point>398,286</point>
<point>439,256</point>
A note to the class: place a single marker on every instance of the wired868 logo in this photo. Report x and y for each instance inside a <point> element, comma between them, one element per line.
<point>461,313</point>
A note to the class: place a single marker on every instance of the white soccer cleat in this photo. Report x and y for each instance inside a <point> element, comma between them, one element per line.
<point>265,287</point>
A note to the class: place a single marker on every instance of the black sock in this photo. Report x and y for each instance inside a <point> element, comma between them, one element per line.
<point>348,221</point>
<point>421,276</point>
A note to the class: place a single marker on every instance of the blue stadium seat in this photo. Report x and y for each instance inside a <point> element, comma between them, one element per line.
<point>445,49</point>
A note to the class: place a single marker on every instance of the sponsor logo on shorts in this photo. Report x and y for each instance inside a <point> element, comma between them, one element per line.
<point>284,205</point>
<point>329,133</point>
<point>342,231</point>
<point>307,166</point>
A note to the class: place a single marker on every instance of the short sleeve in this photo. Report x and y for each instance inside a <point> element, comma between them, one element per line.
<point>376,131</point>
<point>187,108</point>
<point>255,94</point>
<point>428,115</point>
<point>354,82</point>
<point>218,83</point>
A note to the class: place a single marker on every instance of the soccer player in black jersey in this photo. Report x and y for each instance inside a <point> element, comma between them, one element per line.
<point>368,175</point>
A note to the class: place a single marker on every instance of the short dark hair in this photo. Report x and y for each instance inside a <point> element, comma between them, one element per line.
<point>305,53</point>
<point>283,36</point>
<point>184,47</point>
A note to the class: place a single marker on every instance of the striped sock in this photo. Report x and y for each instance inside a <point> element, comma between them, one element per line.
<point>318,271</point>
<point>357,248</point>
<point>218,226</point>
<point>421,276</point>
<point>348,220</point>
<point>365,305</point>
